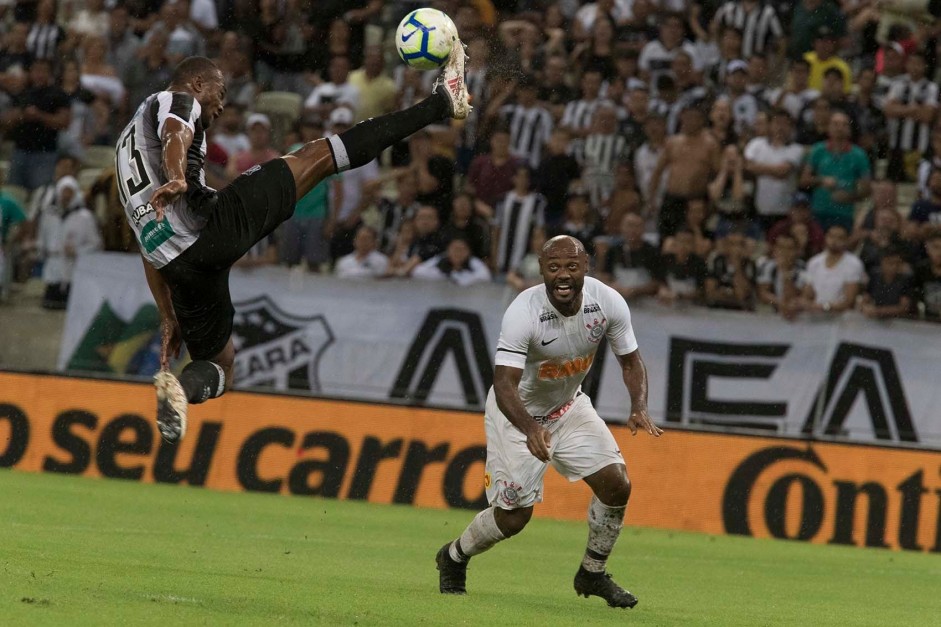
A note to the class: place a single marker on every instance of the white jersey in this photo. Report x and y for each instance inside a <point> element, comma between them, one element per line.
<point>139,169</point>
<point>554,351</point>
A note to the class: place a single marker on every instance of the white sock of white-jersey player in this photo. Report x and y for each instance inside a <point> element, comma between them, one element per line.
<point>481,534</point>
<point>604,527</point>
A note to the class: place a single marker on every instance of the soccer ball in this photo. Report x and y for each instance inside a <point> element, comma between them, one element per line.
<point>424,39</point>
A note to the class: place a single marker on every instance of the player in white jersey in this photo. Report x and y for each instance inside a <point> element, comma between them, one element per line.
<point>190,235</point>
<point>536,414</point>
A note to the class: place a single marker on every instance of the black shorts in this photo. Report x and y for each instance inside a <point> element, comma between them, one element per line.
<point>246,211</point>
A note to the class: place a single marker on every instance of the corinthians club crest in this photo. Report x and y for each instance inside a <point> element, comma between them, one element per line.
<point>275,348</point>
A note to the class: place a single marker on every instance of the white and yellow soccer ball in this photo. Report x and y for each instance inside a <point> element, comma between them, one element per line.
<point>424,38</point>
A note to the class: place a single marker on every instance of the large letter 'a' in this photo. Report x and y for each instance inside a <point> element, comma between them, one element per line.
<point>870,371</point>
<point>456,332</point>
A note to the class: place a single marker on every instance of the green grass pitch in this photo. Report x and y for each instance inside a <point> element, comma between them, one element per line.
<point>100,552</point>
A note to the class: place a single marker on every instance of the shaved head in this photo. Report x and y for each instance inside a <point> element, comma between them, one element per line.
<point>563,242</point>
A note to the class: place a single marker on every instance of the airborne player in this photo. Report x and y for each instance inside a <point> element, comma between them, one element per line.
<point>536,414</point>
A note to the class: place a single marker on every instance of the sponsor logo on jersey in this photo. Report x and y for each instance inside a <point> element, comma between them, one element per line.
<point>596,329</point>
<point>592,308</point>
<point>138,214</point>
<point>546,317</point>
<point>569,368</point>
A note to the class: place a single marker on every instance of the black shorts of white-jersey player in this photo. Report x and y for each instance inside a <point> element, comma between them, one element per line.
<point>543,328</point>
<point>191,290</point>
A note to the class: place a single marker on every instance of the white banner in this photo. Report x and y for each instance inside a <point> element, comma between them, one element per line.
<point>433,343</point>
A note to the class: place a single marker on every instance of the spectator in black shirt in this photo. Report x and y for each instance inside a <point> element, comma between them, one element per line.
<point>731,280</point>
<point>928,279</point>
<point>34,122</point>
<point>466,226</point>
<point>813,122</point>
<point>554,92</point>
<point>556,172</point>
<point>633,266</point>
<point>434,173</point>
<point>684,273</point>
<point>889,294</point>
<point>425,244</point>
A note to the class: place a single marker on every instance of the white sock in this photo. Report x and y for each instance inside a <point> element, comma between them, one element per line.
<point>604,527</point>
<point>481,534</point>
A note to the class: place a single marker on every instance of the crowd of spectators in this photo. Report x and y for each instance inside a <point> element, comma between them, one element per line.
<point>736,154</point>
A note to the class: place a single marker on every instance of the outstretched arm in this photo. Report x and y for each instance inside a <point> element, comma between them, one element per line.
<point>176,139</point>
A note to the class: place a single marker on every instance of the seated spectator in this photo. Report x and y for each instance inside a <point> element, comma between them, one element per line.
<point>781,277</point>
<point>456,264</point>
<point>624,199</point>
<point>889,293</point>
<point>884,195</point>
<point>491,174</point>
<point>579,220</point>
<point>303,236</point>
<point>730,283</point>
<point>886,234</point>
<point>683,272</point>
<point>834,277</point>
<point>183,38</point>
<point>698,222</point>
<point>928,279</point>
<point>365,262</point>
<point>259,151</point>
<point>925,216</point>
<point>632,267</point>
<point>122,42</point>
<point>556,172</point>
<point>394,212</point>
<point>464,225</point>
<point>839,173</point>
<point>421,245</point>
<point>527,273</point>
<point>98,76</point>
<point>800,213</point>
<point>520,213</point>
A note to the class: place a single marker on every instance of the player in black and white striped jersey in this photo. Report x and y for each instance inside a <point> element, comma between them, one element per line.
<point>519,213</point>
<point>758,21</point>
<point>530,124</point>
<point>911,107</point>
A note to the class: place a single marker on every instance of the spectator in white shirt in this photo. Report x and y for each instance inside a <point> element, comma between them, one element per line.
<point>656,57</point>
<point>833,277</point>
<point>456,264</point>
<point>365,262</point>
<point>334,93</point>
<point>774,161</point>
<point>744,104</point>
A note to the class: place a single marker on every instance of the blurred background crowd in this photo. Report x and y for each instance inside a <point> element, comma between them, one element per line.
<point>747,154</point>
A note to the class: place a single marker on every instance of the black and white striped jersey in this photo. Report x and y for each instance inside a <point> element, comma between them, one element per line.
<point>906,133</point>
<point>139,170</point>
<point>530,128</point>
<point>760,26</point>
<point>516,218</point>
<point>43,40</point>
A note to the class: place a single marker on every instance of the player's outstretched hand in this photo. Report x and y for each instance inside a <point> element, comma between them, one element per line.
<point>165,195</point>
<point>538,441</point>
<point>640,420</point>
<point>171,341</point>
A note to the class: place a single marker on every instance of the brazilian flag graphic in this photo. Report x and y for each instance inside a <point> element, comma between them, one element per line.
<point>115,346</point>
